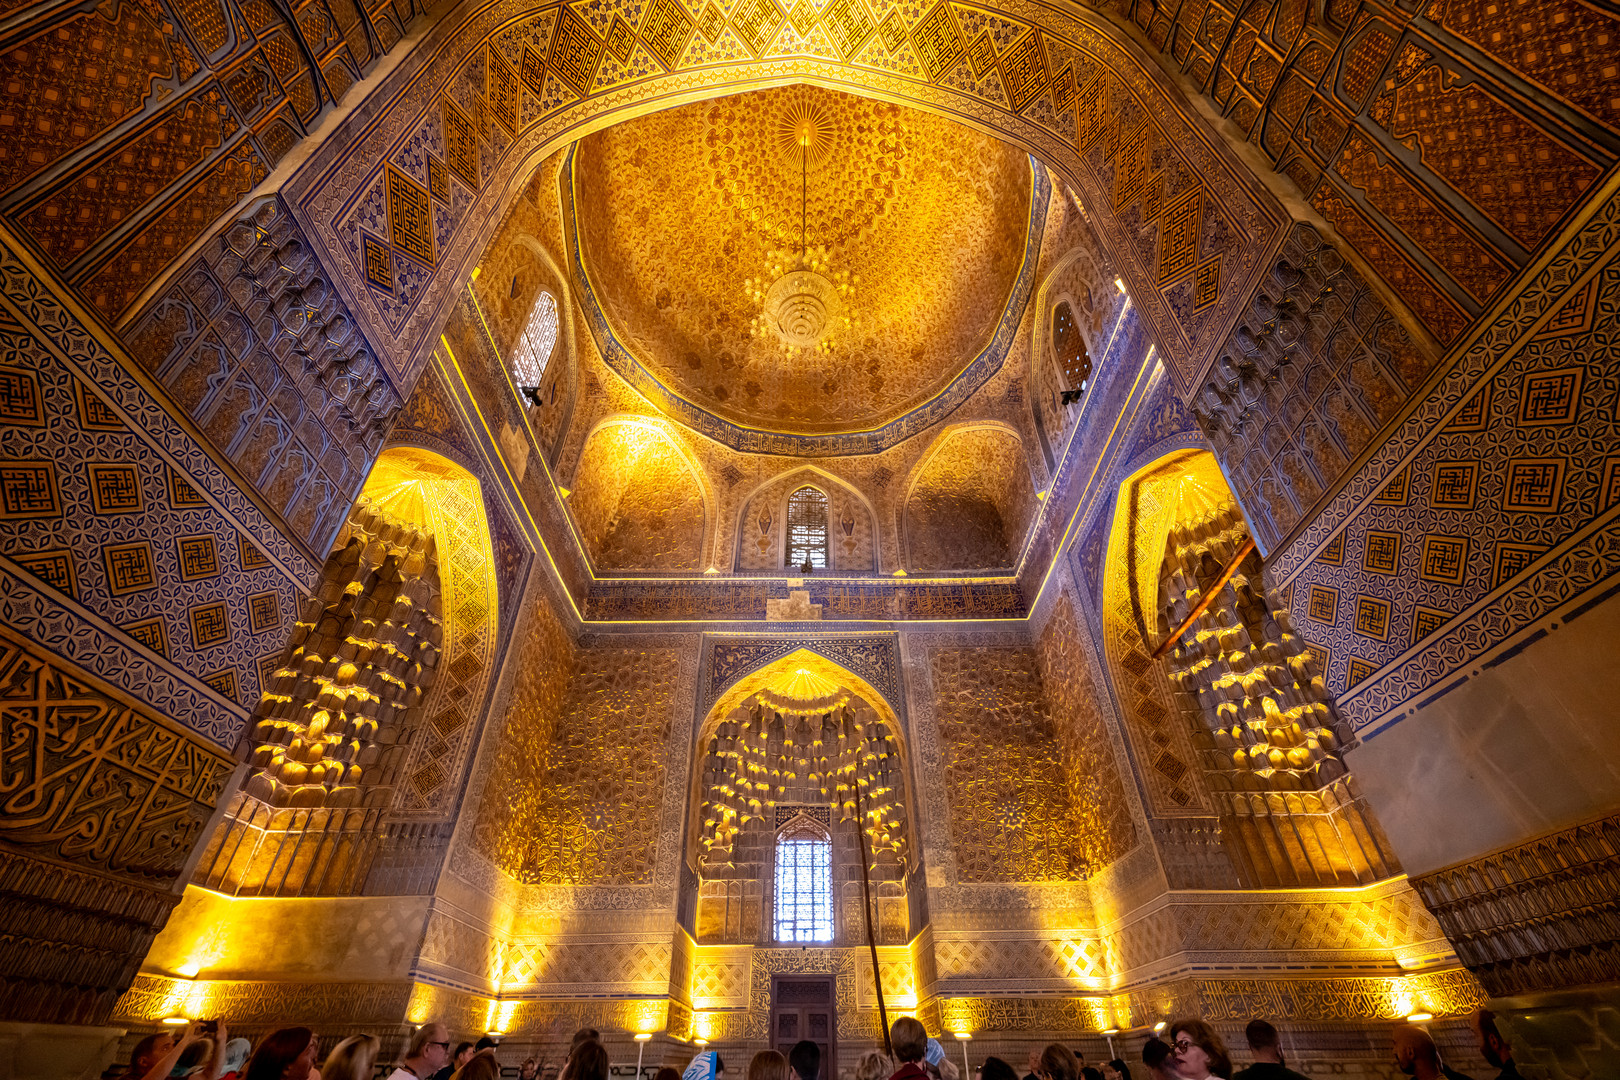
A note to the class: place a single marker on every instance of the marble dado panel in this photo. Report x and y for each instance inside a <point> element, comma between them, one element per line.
<point>297,939</point>
<point>1190,229</point>
<point>1381,927</point>
<point>1490,509</point>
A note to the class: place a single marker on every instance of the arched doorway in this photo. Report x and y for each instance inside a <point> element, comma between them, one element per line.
<point>801,841</point>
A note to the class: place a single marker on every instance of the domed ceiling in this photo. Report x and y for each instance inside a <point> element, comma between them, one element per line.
<point>925,219</point>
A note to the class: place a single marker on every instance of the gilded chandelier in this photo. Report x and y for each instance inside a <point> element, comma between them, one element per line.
<point>803,302</point>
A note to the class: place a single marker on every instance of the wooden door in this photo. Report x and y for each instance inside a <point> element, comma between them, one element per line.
<point>804,1007</point>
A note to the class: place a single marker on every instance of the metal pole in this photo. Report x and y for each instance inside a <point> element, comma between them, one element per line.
<point>967,1070</point>
<point>871,939</point>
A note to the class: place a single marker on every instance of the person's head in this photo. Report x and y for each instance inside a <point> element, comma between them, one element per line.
<point>996,1069</point>
<point>1263,1041</point>
<point>1197,1051</point>
<point>193,1057</point>
<point>485,1042</point>
<point>1116,1070</point>
<point>464,1052</point>
<point>1495,1049</point>
<point>150,1049</point>
<point>236,1056</point>
<point>667,1073</point>
<point>583,1036</point>
<point>874,1065</point>
<point>805,1057</point>
<point>768,1065</point>
<point>587,1061</point>
<point>479,1067</point>
<point>526,1070</point>
<point>352,1059</point>
<point>908,1039</point>
<point>1033,1065</point>
<point>1086,1071</point>
<point>1155,1052</point>
<point>429,1049</point>
<point>288,1054</point>
<point>1058,1063</point>
<point>1415,1052</point>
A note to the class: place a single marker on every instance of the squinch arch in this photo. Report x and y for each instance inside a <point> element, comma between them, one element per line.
<point>969,502</point>
<point>799,738</point>
<point>639,501</point>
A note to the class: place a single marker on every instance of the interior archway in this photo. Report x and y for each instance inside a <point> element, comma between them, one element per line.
<point>970,502</point>
<point>800,741</point>
<point>638,499</point>
<point>405,635</point>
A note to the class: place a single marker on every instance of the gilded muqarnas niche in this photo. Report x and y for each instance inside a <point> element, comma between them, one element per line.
<point>1102,819</point>
<point>583,791</point>
<point>1004,777</point>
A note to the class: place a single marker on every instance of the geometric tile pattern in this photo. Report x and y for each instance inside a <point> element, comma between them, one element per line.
<point>1028,81</point>
<point>1486,504</point>
<point>97,546</point>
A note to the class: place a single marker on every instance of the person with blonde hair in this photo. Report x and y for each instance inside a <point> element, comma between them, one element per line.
<point>874,1065</point>
<point>768,1065</point>
<point>352,1059</point>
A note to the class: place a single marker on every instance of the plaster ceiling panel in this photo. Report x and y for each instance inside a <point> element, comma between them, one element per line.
<point>678,209</point>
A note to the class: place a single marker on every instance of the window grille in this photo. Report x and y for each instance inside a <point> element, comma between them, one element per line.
<point>804,909</point>
<point>1073,359</point>
<point>533,349</point>
<point>807,528</point>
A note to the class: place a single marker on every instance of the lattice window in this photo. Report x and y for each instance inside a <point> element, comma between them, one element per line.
<point>807,528</point>
<point>804,906</point>
<point>1070,347</point>
<point>534,345</point>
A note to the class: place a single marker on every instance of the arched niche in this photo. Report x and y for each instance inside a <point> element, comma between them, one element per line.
<point>767,760</point>
<point>369,711</point>
<point>969,503</point>
<point>1082,286</point>
<point>1234,715</point>
<point>638,500</point>
<point>852,541</point>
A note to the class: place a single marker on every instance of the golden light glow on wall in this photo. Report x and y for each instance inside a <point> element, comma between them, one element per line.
<point>449,502</point>
<point>639,501</point>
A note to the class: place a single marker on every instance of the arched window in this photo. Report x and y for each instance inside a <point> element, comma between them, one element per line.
<point>1070,347</point>
<point>804,908</point>
<point>533,348</point>
<point>807,528</point>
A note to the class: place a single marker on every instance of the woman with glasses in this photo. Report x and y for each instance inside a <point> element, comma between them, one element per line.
<point>1197,1052</point>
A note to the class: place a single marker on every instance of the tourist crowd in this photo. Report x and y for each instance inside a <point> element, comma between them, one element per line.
<point>1194,1051</point>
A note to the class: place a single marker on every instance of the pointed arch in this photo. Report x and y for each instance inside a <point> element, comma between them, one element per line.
<point>969,501</point>
<point>640,501</point>
<point>411,576</point>
<point>854,547</point>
